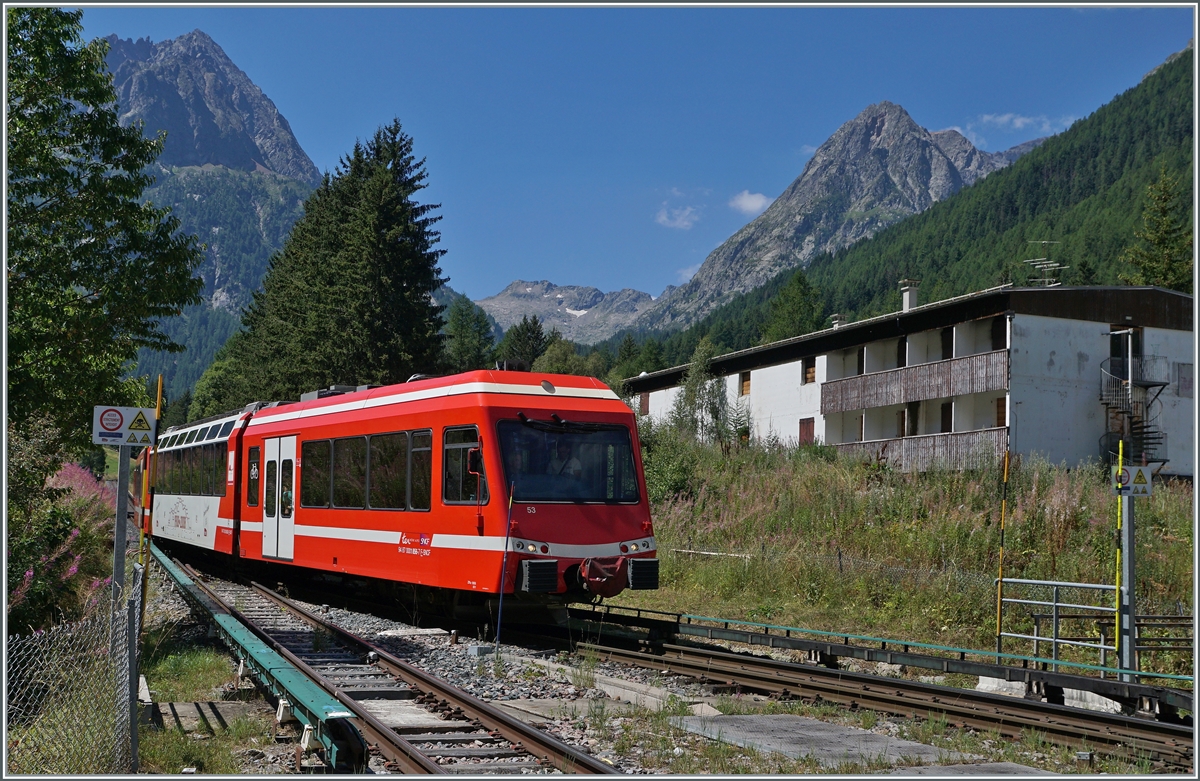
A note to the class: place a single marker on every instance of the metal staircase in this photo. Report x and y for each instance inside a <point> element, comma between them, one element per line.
<point>1129,390</point>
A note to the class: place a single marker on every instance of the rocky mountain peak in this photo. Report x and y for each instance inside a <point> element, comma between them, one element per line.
<point>582,314</point>
<point>211,110</point>
<point>875,170</point>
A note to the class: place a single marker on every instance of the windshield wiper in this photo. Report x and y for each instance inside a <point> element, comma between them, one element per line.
<point>559,426</point>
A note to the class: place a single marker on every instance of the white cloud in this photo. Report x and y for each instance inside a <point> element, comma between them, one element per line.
<point>1013,121</point>
<point>808,149</point>
<point>683,218</point>
<point>750,203</point>
<point>687,273</point>
<point>978,141</point>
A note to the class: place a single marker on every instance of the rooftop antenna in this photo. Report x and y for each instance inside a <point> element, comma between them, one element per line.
<point>1048,269</point>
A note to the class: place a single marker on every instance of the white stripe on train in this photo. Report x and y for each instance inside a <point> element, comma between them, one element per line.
<point>270,416</point>
<point>463,541</point>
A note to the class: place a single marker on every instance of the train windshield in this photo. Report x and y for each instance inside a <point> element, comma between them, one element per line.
<point>561,461</point>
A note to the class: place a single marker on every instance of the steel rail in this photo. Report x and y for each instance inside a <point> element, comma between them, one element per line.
<point>532,740</point>
<point>667,625</point>
<point>391,745</point>
<point>1167,743</point>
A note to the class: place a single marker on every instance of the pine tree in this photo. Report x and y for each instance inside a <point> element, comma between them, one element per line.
<point>1163,254</point>
<point>525,341</point>
<point>628,350</point>
<point>796,311</point>
<point>349,298</point>
<point>469,341</point>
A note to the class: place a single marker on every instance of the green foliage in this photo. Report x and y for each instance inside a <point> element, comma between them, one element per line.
<point>469,337</point>
<point>920,550</point>
<point>90,269</point>
<point>176,412</point>
<point>1163,254</point>
<point>701,411</point>
<point>244,217</point>
<point>59,531</point>
<point>525,341</point>
<point>349,298</point>
<point>796,311</point>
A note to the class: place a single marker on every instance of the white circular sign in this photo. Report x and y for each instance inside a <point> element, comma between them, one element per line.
<point>111,420</point>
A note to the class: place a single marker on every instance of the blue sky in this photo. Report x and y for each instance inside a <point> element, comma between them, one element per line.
<point>617,147</point>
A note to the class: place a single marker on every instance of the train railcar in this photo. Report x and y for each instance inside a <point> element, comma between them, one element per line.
<point>439,483</point>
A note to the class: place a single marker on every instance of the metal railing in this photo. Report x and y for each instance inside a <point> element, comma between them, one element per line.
<point>1057,616</point>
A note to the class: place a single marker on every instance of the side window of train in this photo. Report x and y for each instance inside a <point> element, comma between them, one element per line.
<point>459,486</point>
<point>314,473</point>
<point>350,472</point>
<point>388,471</point>
<point>421,474</point>
<point>252,477</point>
<point>269,500</point>
<point>285,488</point>
<point>221,452</point>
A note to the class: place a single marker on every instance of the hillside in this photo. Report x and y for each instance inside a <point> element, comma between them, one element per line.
<point>875,170</point>
<point>1083,188</point>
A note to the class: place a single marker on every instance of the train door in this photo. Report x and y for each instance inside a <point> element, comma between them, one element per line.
<point>279,525</point>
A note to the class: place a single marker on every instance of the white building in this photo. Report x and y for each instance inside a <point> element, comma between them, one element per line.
<point>1037,370</point>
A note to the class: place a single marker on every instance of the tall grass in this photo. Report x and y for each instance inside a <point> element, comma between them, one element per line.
<point>932,540</point>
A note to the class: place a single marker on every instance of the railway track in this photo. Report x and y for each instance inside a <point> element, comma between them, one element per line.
<point>1167,744</point>
<point>415,722</point>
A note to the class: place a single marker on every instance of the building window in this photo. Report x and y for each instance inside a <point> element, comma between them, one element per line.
<point>862,427</point>
<point>1183,380</point>
<point>912,419</point>
<point>902,352</point>
<point>744,385</point>
<point>807,431</point>
<point>999,333</point>
<point>1001,417</point>
<point>809,366</point>
<point>947,417</point>
<point>901,422</point>
<point>862,360</point>
<point>644,403</point>
<point>947,343</point>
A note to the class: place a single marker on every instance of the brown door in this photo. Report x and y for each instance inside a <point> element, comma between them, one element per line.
<point>807,435</point>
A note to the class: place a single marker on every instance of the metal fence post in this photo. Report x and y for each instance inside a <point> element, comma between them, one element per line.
<point>132,607</point>
<point>1054,618</point>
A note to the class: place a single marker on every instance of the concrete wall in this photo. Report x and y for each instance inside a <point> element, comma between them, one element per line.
<point>779,399</point>
<point>1054,390</point>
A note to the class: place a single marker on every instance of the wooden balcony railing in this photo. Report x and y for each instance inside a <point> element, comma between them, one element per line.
<point>962,450</point>
<point>937,380</point>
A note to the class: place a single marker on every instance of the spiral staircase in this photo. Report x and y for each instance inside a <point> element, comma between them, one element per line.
<point>1129,391</point>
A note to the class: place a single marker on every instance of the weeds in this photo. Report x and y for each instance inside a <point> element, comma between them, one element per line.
<point>583,673</point>
<point>171,750</point>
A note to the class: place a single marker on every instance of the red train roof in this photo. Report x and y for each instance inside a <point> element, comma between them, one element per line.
<point>484,381</point>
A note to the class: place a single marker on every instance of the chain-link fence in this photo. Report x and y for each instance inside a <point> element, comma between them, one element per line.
<point>72,693</point>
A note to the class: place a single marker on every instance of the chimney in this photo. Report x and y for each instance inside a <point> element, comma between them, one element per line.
<point>837,320</point>
<point>908,291</point>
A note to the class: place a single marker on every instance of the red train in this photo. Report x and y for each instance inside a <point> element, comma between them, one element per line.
<point>422,483</point>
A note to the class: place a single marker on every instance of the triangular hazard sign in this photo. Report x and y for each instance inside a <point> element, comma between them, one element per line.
<point>145,438</point>
<point>1139,478</point>
<point>140,423</point>
<point>132,439</point>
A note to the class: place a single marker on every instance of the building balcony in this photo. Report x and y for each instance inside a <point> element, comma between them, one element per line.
<point>961,450</point>
<point>938,380</point>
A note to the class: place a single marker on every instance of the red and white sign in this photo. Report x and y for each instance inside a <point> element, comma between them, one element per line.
<point>132,426</point>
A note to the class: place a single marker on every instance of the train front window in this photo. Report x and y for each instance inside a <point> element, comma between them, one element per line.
<point>546,461</point>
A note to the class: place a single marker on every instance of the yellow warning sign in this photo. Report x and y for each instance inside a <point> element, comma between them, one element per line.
<point>140,423</point>
<point>145,439</point>
<point>132,439</point>
<point>1139,478</point>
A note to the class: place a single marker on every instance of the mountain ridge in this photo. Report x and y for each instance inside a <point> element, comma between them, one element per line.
<point>874,171</point>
